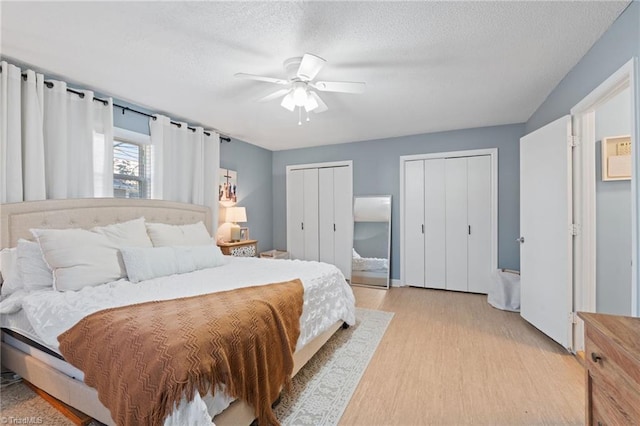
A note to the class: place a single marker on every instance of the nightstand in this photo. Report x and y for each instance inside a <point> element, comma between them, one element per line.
<point>246,248</point>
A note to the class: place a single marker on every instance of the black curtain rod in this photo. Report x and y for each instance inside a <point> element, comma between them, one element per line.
<point>49,84</point>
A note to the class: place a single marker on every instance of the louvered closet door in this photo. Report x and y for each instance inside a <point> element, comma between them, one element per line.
<point>479,216</point>
<point>457,224</point>
<point>414,253</point>
<point>435,223</point>
<point>343,219</point>
<point>295,214</point>
<point>310,206</point>
<point>326,221</point>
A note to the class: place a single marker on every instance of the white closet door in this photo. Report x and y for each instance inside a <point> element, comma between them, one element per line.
<point>434,223</point>
<point>414,223</point>
<point>295,214</point>
<point>326,215</point>
<point>479,215</point>
<point>311,244</point>
<point>457,224</point>
<point>343,219</point>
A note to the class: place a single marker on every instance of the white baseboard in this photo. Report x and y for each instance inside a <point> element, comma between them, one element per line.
<point>396,283</point>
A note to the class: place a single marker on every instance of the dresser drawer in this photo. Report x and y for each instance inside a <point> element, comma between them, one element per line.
<point>606,408</point>
<point>612,361</point>
<point>613,379</point>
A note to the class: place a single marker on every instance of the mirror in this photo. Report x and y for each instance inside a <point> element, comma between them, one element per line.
<point>371,240</point>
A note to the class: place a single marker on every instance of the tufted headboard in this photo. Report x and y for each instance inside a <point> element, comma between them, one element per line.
<point>17,218</point>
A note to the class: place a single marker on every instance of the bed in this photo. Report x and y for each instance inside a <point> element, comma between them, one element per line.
<point>34,358</point>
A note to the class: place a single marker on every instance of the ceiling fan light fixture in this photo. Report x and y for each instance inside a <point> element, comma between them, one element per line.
<point>288,102</point>
<point>310,104</point>
<point>300,87</point>
<point>300,95</point>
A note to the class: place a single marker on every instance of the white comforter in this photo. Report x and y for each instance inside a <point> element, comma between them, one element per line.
<point>327,299</point>
<point>369,263</point>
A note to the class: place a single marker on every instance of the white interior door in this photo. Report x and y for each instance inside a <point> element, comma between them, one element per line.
<point>295,214</point>
<point>414,223</point>
<point>325,219</point>
<point>545,217</point>
<point>311,244</point>
<point>479,216</point>
<point>343,219</point>
<point>434,223</point>
<point>457,223</point>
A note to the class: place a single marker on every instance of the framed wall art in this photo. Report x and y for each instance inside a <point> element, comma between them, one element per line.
<point>228,187</point>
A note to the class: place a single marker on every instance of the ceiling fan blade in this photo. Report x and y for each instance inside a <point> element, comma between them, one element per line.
<point>274,95</point>
<point>322,107</point>
<point>260,78</point>
<point>310,66</point>
<point>340,86</point>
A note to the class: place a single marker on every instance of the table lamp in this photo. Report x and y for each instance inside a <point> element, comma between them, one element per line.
<point>235,215</point>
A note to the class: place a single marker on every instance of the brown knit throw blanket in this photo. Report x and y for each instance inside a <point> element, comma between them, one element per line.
<point>144,358</point>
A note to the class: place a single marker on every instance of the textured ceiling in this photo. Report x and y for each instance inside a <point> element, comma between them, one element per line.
<point>429,66</point>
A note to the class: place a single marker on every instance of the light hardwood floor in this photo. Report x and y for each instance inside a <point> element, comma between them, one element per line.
<point>449,358</point>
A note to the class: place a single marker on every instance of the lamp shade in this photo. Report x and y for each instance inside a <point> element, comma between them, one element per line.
<point>236,214</point>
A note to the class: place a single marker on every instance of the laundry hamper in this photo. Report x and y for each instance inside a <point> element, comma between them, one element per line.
<point>505,290</point>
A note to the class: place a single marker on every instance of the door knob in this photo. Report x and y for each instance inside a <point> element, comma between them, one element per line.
<point>520,240</point>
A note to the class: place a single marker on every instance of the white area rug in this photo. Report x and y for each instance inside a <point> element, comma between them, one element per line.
<point>322,389</point>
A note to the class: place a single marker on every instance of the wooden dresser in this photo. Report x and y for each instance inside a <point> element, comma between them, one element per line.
<point>612,361</point>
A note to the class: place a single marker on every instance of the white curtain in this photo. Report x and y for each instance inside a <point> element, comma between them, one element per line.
<point>103,149</point>
<point>47,140</point>
<point>185,164</point>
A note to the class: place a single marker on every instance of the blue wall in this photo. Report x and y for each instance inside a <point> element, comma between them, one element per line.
<point>613,216</point>
<point>253,165</point>
<point>376,171</point>
<point>618,44</point>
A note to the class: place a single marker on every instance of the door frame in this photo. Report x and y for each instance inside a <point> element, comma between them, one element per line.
<point>583,115</point>
<point>493,153</point>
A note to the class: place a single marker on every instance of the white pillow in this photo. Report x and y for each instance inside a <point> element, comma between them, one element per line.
<point>127,234</point>
<point>79,258</point>
<point>9,266</point>
<point>147,263</point>
<point>33,270</point>
<point>163,235</point>
<point>355,254</point>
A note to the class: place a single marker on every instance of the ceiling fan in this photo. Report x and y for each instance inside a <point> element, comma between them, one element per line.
<point>299,85</point>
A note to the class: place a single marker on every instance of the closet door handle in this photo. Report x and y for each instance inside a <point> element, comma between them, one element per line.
<point>334,227</point>
<point>422,226</point>
<point>302,225</point>
<point>469,229</point>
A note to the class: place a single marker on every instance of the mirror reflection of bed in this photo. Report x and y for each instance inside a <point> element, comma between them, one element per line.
<point>371,238</point>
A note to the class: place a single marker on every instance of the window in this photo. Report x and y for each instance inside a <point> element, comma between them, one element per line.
<point>130,169</point>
